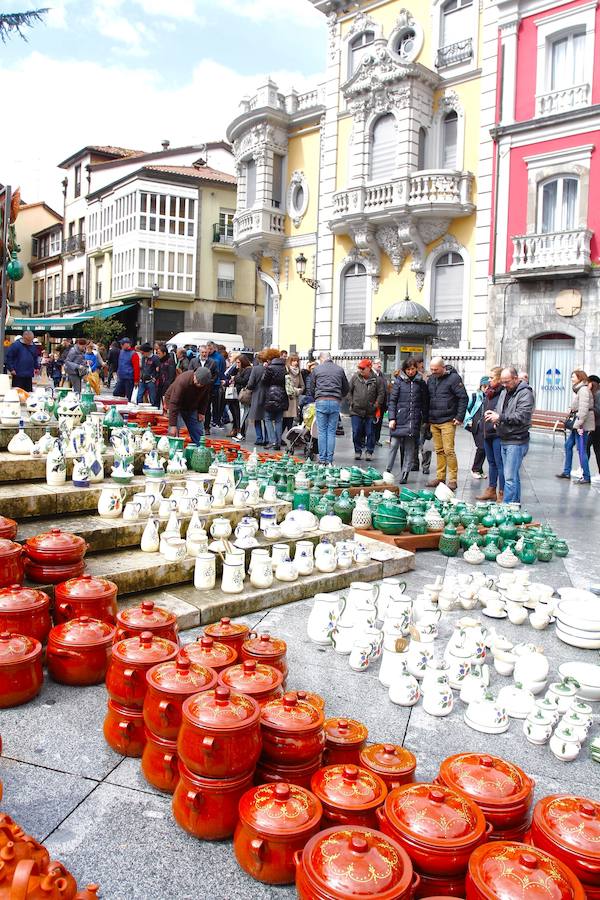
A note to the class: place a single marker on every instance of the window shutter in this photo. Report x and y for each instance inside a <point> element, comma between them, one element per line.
<point>355,295</point>
<point>226,271</point>
<point>449,136</point>
<point>448,287</point>
<point>383,148</point>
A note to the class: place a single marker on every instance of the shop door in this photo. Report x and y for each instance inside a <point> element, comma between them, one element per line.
<point>552,361</point>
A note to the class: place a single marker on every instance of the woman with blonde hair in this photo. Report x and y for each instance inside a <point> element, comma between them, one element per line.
<point>579,424</point>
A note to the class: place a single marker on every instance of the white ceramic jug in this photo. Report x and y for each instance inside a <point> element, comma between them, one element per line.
<point>110,502</point>
<point>150,541</point>
<point>261,571</point>
<point>393,659</point>
<point>389,589</point>
<point>232,579</point>
<point>205,572</point>
<point>324,616</point>
<point>56,467</point>
<point>81,473</point>
<point>20,443</point>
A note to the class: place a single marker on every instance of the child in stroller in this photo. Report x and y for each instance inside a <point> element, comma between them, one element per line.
<point>303,437</point>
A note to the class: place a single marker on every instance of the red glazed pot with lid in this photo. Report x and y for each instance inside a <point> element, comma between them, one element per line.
<point>268,771</point>
<point>394,764</point>
<point>344,863</point>
<point>126,677</point>
<point>56,547</point>
<point>206,651</point>
<point>169,684</point>
<point>344,739</point>
<point>503,792</point>
<point>79,651</point>
<point>88,595</point>
<point>208,807</point>
<point>147,617</point>
<point>220,733</point>
<point>276,821</point>
<point>160,763</point>
<point>46,573</point>
<point>510,871</point>
<point>292,730</point>
<point>12,570</point>
<point>227,632</point>
<point>21,673</point>
<point>266,649</point>
<point>25,611</point>
<point>124,730</point>
<point>256,680</point>
<point>569,828</point>
<point>350,795</point>
<point>8,528</point>
<point>314,699</point>
<point>438,827</point>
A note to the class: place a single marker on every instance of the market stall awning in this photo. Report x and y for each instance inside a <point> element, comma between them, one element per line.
<point>106,312</point>
<point>64,323</point>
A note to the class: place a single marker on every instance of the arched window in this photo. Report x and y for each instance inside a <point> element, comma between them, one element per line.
<point>422,149</point>
<point>558,204</point>
<point>455,23</point>
<point>447,295</point>
<point>359,47</point>
<point>383,148</point>
<point>353,313</point>
<point>449,140</point>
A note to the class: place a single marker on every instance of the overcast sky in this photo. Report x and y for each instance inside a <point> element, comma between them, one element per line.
<point>132,73</point>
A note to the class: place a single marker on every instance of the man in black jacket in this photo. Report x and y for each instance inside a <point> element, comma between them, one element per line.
<point>447,406</point>
<point>512,418</point>
<point>148,374</point>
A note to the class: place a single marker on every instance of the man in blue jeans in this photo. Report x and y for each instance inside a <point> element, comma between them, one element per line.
<point>188,397</point>
<point>331,386</point>
<point>512,418</point>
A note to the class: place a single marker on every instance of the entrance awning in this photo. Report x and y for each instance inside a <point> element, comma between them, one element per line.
<point>64,323</point>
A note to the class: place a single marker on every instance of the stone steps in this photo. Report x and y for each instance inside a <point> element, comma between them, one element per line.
<point>35,432</point>
<point>33,468</point>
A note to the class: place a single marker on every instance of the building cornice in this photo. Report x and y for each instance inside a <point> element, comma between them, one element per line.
<point>544,122</point>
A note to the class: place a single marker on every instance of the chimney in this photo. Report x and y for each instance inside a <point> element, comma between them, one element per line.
<point>165,144</point>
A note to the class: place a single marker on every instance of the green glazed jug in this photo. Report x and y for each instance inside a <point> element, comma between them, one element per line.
<point>508,529</point>
<point>449,541</point>
<point>201,457</point>
<point>471,536</point>
<point>343,507</point>
<point>544,552</point>
<point>490,551</point>
<point>87,401</point>
<point>561,548</point>
<point>528,553</point>
<point>113,419</point>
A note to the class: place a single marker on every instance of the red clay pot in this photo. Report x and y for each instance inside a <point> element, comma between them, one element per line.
<point>261,682</point>
<point>227,632</point>
<point>276,821</point>
<point>85,596</point>
<point>55,548</point>
<point>314,699</point>
<point>266,649</point>
<point>271,772</point>
<point>29,882</point>
<point>15,845</point>
<point>346,863</point>
<point>208,652</point>
<point>208,807</point>
<point>8,528</point>
<point>394,764</point>
<point>292,730</point>
<point>160,763</point>
<point>220,734</point>
<point>126,677</point>
<point>25,611</point>
<point>124,730</point>
<point>79,651</point>
<point>518,870</point>
<point>46,573</point>
<point>569,828</point>
<point>344,739</point>
<point>436,888</point>
<point>350,795</point>
<point>169,684</point>
<point>12,570</point>
<point>147,617</point>
<point>21,673</point>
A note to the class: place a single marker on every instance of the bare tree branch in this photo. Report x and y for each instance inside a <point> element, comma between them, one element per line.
<point>16,22</point>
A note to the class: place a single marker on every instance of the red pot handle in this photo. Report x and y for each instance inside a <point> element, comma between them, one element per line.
<point>488,829</point>
<point>67,653</point>
<point>194,799</point>
<point>257,846</point>
<point>20,882</point>
<point>130,676</point>
<point>126,727</point>
<point>65,608</point>
<point>165,707</point>
<point>208,743</point>
<point>297,858</point>
<point>170,760</point>
<point>380,815</point>
<point>415,883</point>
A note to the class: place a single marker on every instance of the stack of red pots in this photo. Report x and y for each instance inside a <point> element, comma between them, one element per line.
<point>439,828</point>
<point>54,556</point>
<point>394,764</point>
<point>292,741</point>
<point>261,682</point>
<point>169,685</point>
<point>227,632</point>
<point>79,651</point>
<point>503,792</point>
<point>206,651</point>
<point>219,745</point>
<point>21,674</point>
<point>147,617</point>
<point>513,871</point>
<point>8,528</point>
<point>126,685</point>
<point>270,651</point>
<point>12,568</point>
<point>569,828</point>
<point>349,794</point>
<point>344,740</point>
<point>88,595</point>
<point>25,611</point>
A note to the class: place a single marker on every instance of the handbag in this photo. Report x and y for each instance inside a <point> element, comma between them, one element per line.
<point>231,392</point>
<point>569,422</point>
<point>245,396</point>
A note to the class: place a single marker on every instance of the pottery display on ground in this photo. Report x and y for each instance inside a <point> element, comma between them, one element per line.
<point>169,684</point>
<point>131,658</point>
<point>349,794</point>
<point>25,611</point>
<point>227,632</point>
<point>79,651</point>
<point>503,869</point>
<point>568,827</point>
<point>147,617</point>
<point>12,570</point>
<point>257,680</point>
<point>87,595</point>
<point>292,730</point>
<point>21,674</point>
<point>344,740</point>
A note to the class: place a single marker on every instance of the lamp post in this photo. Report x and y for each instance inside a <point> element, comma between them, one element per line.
<point>312,283</point>
<point>153,300</point>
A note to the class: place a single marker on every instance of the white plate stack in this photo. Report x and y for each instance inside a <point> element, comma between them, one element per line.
<point>578,622</point>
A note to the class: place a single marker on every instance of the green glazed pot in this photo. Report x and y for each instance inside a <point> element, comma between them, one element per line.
<point>87,401</point>
<point>343,507</point>
<point>449,541</point>
<point>561,548</point>
<point>493,537</point>
<point>418,525</point>
<point>544,552</point>
<point>508,529</point>
<point>526,517</point>
<point>528,554</point>
<point>471,536</point>
<point>488,521</point>
<point>490,551</point>
<point>113,419</point>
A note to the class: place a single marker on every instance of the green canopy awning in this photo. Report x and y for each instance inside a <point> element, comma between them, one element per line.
<point>106,312</point>
<point>64,323</point>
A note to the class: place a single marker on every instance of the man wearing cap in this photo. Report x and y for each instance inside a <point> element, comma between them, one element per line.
<point>76,365</point>
<point>148,374</point>
<point>128,370</point>
<point>366,394</point>
<point>188,397</point>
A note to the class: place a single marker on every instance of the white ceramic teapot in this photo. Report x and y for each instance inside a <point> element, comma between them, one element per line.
<point>110,502</point>
<point>438,700</point>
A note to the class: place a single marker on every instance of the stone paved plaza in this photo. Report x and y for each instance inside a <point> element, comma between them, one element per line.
<point>96,814</point>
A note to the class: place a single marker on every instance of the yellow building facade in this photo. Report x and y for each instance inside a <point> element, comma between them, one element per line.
<point>374,179</point>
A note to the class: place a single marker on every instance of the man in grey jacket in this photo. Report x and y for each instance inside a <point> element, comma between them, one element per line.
<point>512,418</point>
<point>331,386</point>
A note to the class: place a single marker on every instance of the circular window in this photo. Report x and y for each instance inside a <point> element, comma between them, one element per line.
<point>405,42</point>
<point>406,45</point>
<point>298,197</point>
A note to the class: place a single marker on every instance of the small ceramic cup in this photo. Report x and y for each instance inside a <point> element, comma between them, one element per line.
<point>174,549</point>
<point>132,511</point>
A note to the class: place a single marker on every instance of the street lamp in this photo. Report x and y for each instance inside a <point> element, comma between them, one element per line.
<point>153,300</point>
<point>312,283</point>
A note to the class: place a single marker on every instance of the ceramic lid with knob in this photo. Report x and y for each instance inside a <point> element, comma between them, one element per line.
<point>8,528</point>
<point>17,648</point>
<point>20,599</point>
<point>56,541</point>
<point>145,648</point>
<point>251,677</point>
<point>221,708</point>
<point>83,631</point>
<point>487,779</point>
<point>226,628</point>
<point>511,870</point>
<point>280,809</point>
<point>350,787</point>
<point>435,815</point>
<point>345,731</point>
<point>314,699</point>
<point>181,676</point>
<point>357,862</point>
<point>288,713</point>
<point>265,645</point>
<point>87,587</point>
<point>9,548</point>
<point>208,652</point>
<point>572,823</point>
<point>146,614</point>
<point>388,759</point>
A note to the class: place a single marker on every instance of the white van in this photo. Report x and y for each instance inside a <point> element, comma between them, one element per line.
<point>197,338</point>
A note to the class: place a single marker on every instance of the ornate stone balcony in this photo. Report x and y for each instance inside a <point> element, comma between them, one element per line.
<point>554,252</point>
<point>562,100</point>
<point>258,230</point>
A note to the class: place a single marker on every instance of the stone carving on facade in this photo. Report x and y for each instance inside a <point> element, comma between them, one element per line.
<point>362,22</point>
<point>404,20</point>
<point>450,102</point>
<point>448,245</point>
<point>333,42</point>
<point>389,241</point>
<point>297,212</point>
<point>432,229</point>
<point>365,242</point>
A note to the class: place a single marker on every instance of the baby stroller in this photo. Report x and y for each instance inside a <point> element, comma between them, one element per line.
<point>301,438</point>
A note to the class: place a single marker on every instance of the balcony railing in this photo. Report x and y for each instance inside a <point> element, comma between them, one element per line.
<point>71,298</point>
<point>563,100</point>
<point>258,221</point>
<point>440,189</point>
<point>461,51</point>
<point>567,250</point>
<point>74,244</point>
<point>222,234</point>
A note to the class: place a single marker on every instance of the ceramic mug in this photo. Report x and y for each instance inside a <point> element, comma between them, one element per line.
<point>240,497</point>
<point>279,553</point>
<point>261,573</point>
<point>232,580</point>
<point>187,505</point>
<point>166,506</point>
<point>270,493</point>
<point>204,503</point>
<point>132,511</point>
<point>174,549</point>
<point>258,555</point>
<point>205,572</point>
<point>146,502</point>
